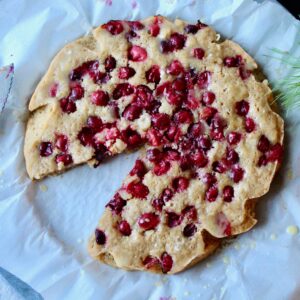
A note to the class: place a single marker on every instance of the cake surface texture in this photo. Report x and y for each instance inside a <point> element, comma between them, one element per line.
<point>209,140</point>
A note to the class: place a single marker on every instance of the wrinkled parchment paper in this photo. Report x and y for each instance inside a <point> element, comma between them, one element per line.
<point>44,226</point>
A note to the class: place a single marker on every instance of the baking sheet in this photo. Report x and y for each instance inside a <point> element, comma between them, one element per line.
<point>44,226</point>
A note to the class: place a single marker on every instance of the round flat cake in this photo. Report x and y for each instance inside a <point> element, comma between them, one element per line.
<point>209,141</point>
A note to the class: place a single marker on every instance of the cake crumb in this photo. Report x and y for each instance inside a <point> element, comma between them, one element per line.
<point>43,188</point>
<point>273,236</point>
<point>292,230</point>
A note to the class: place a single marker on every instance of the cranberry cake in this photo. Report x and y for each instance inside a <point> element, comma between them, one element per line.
<point>210,143</point>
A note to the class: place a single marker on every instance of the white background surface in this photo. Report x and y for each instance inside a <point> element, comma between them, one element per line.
<point>44,226</point>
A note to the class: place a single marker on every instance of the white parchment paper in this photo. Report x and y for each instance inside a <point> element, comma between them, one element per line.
<point>44,226</point>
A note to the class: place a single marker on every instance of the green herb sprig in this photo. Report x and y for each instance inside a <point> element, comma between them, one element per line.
<point>287,90</point>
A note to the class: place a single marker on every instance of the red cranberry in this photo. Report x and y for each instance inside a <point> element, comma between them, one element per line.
<point>232,62</point>
<point>189,230</point>
<point>191,28</point>
<point>174,133</point>
<point>199,159</point>
<point>161,168</point>
<point>53,90</point>
<point>144,97</point>
<point>99,98</point>
<point>139,169</point>
<point>61,142</point>
<point>86,136</point>
<point>154,29</point>
<point>153,74</point>
<point>166,262</point>
<point>110,63</point>
<point>161,121</point>
<point>166,46</point>
<point>228,193</point>
<point>190,212</point>
<point>217,134</point>
<point>154,137</point>
<point>236,173</point>
<point>198,53</point>
<point>196,129</point>
<point>209,179</point>
<point>186,144</point>
<point>132,112</point>
<point>203,79</point>
<point>121,90</point>
<point>249,125</point>
<point>126,72</point>
<point>175,68</point>
<point>179,85</point>
<point>148,221</point>
<point>150,261</point>
<point>262,161</point>
<point>208,98</point>
<point>135,25</point>
<point>67,106</point>
<point>100,237</point>
<point>242,108</point>
<point>275,153</point>
<point>154,155</point>
<point>177,41</point>
<point>186,163</point>
<point>175,98</point>
<point>101,153</point>
<point>233,137</point>
<point>113,27</point>
<point>192,102</point>
<point>180,184</point>
<point>263,144</point>
<point>64,158</point>
<point>173,219</point>
<point>137,53</point>
<point>211,194</point>
<point>158,204</point>
<point>207,113</point>
<point>116,204</point>
<point>218,122</point>
<point>219,167</point>
<point>137,190</point>
<point>45,149</point>
<point>244,73</point>
<point>224,224</point>
<point>76,93</point>
<point>204,142</point>
<point>172,154</point>
<point>95,123</point>
<point>161,89</point>
<point>167,195</point>
<point>232,156</point>
<point>184,116</point>
<point>124,228</point>
<point>89,67</point>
